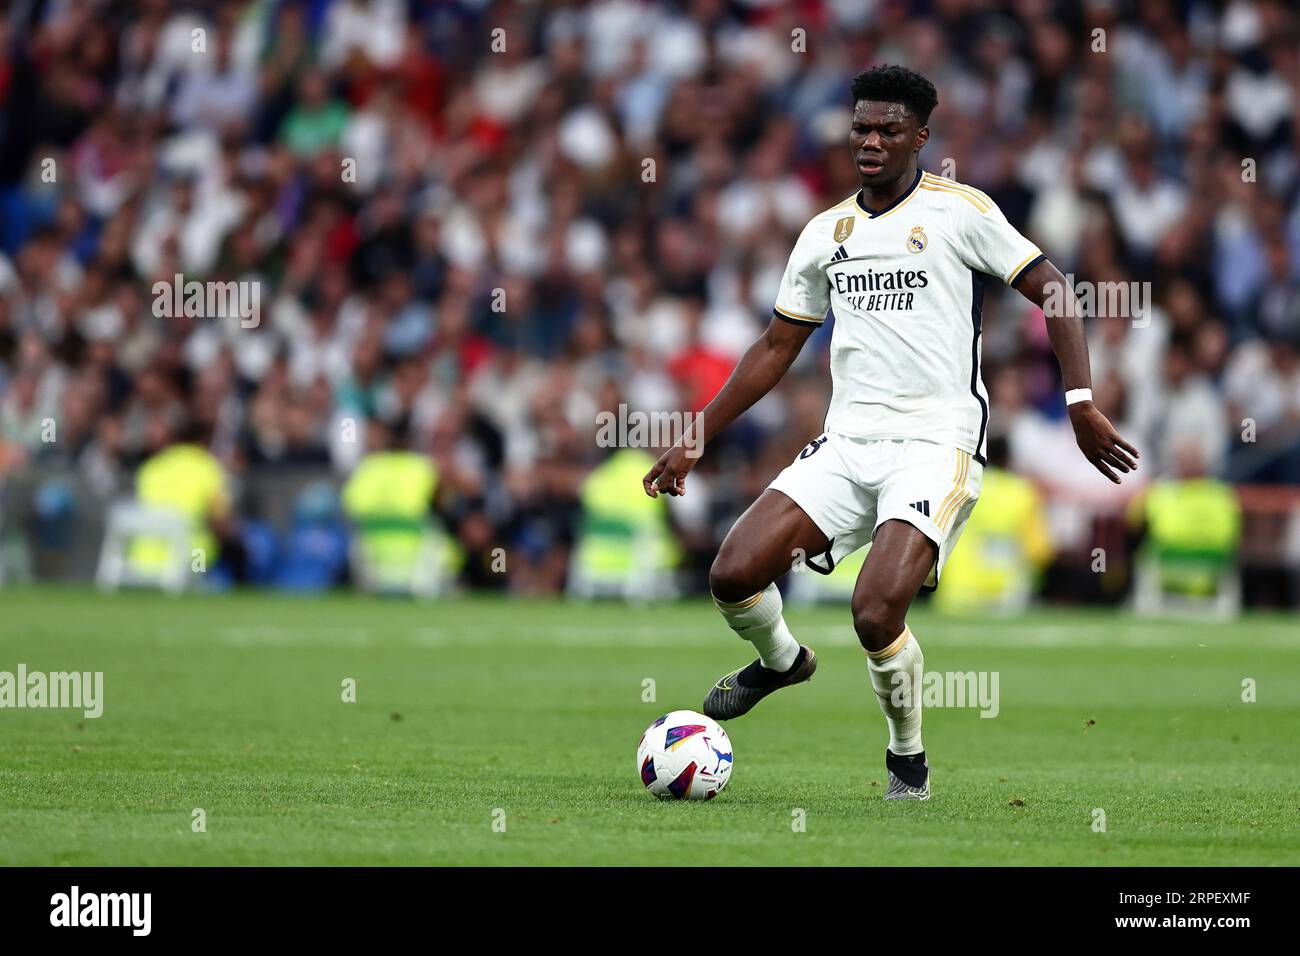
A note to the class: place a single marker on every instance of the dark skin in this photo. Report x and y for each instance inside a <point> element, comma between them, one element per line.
<point>884,140</point>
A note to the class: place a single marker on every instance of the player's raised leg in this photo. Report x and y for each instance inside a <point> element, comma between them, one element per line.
<point>900,560</point>
<point>761,547</point>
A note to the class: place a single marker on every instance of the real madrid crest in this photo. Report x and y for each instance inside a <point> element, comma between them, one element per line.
<point>916,240</point>
<point>844,228</point>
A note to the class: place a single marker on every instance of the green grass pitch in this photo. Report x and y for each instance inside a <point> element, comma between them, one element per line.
<point>478,710</point>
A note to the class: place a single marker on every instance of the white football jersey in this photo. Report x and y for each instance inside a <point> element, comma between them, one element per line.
<point>905,285</point>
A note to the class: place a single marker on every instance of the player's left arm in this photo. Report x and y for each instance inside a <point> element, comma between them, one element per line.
<point>1100,443</point>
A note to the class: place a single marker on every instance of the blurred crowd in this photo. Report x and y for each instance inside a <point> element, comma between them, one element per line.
<point>480,224</point>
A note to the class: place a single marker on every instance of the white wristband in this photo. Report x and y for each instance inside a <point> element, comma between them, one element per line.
<point>1076,395</point>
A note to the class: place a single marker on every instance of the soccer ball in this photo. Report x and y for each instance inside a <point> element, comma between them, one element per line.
<point>684,756</point>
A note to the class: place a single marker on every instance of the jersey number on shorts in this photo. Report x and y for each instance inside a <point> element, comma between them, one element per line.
<point>813,445</point>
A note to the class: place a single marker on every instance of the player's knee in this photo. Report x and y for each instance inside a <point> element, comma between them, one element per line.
<point>732,579</point>
<point>878,622</point>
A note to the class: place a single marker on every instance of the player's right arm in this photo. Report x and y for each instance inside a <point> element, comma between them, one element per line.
<point>761,367</point>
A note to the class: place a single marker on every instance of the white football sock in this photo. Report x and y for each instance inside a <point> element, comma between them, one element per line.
<point>900,696</point>
<point>758,620</point>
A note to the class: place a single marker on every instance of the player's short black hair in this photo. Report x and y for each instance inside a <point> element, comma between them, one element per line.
<point>897,84</point>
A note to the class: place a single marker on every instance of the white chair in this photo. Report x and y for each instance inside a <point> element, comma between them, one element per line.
<point>426,574</point>
<point>637,573</point>
<point>129,520</point>
<point>1153,594</point>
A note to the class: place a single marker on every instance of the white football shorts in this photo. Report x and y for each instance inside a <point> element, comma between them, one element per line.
<point>849,487</point>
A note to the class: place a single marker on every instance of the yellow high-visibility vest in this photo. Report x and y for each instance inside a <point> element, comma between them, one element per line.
<point>389,498</point>
<point>1193,529</point>
<point>188,481</point>
<point>621,524</point>
<point>1198,516</point>
<point>1004,546</point>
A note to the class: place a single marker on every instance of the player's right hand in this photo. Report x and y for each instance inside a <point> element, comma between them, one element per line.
<point>669,473</point>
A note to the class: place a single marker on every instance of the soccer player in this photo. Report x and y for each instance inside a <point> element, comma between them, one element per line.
<point>902,263</point>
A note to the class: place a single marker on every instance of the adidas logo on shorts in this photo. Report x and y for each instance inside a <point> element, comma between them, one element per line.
<point>921,506</point>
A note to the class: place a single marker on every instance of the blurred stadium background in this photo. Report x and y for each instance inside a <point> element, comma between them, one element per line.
<point>473,227</point>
